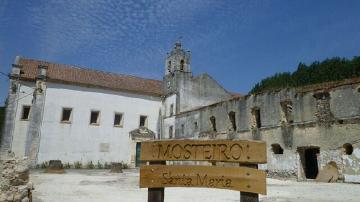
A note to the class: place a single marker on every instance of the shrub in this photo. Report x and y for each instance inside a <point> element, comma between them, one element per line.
<point>99,165</point>
<point>77,165</point>
<point>107,166</point>
<point>124,165</point>
<point>44,165</point>
<point>90,165</point>
<point>67,165</point>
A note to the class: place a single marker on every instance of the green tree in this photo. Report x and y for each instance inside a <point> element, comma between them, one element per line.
<point>333,69</point>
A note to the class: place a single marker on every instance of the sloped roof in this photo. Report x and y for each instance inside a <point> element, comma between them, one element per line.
<point>91,78</point>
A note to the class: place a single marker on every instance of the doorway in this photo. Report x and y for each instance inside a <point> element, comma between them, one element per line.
<point>309,162</point>
<point>137,154</point>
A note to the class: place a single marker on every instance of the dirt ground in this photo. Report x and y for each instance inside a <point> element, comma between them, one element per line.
<point>101,185</point>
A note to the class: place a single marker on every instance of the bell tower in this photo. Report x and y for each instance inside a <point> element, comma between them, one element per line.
<point>177,60</point>
<point>177,67</point>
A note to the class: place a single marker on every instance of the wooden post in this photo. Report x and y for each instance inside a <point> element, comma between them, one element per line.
<point>246,196</point>
<point>156,194</point>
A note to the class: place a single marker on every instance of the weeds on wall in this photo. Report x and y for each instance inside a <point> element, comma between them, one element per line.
<point>90,165</point>
<point>44,165</point>
<point>107,166</point>
<point>99,165</point>
<point>77,165</point>
<point>124,165</point>
<point>67,165</point>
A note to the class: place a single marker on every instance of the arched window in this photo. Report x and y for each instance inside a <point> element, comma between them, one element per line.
<point>348,148</point>
<point>277,149</point>
<point>232,120</point>
<point>213,123</point>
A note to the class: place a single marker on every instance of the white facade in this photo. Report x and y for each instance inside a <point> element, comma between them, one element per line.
<point>81,141</point>
<point>24,98</point>
<point>168,113</point>
<point>78,140</point>
<point>45,136</point>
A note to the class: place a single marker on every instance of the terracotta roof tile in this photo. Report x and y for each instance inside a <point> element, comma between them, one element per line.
<point>82,76</point>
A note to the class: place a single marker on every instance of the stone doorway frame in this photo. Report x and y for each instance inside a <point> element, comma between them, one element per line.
<point>302,161</point>
<point>137,136</point>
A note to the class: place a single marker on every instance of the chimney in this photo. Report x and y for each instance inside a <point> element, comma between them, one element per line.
<point>42,71</point>
<point>16,69</point>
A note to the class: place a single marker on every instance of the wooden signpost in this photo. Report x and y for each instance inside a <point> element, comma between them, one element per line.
<point>247,179</point>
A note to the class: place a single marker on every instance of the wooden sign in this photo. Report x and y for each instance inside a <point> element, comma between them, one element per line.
<point>243,151</point>
<point>233,178</point>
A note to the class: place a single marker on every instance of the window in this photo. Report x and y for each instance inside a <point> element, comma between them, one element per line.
<point>286,111</point>
<point>169,66</point>
<point>118,120</point>
<point>182,65</point>
<point>171,109</point>
<point>256,117</point>
<point>25,113</point>
<point>171,132</point>
<point>95,118</point>
<point>277,149</point>
<point>322,95</point>
<point>196,126</point>
<point>66,115</point>
<point>182,128</point>
<point>232,120</point>
<point>143,121</point>
<point>213,123</point>
<point>348,148</point>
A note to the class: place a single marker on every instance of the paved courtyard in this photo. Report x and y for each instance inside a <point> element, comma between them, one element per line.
<point>100,185</point>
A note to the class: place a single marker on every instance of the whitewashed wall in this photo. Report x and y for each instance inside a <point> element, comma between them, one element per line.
<point>24,97</point>
<point>168,120</point>
<point>80,141</point>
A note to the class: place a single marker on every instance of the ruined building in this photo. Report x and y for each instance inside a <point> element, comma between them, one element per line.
<point>73,114</point>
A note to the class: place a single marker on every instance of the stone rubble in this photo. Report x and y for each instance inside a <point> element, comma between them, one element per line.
<point>14,181</point>
<point>279,174</point>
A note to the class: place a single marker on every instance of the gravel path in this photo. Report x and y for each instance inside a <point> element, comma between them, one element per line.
<point>100,185</point>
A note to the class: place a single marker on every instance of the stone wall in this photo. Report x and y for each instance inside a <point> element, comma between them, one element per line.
<point>14,181</point>
<point>2,118</point>
<point>199,91</point>
<point>295,119</point>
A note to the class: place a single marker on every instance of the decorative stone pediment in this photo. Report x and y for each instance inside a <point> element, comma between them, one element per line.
<point>142,133</point>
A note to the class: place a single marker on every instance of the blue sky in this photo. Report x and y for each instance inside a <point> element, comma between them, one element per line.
<point>237,42</point>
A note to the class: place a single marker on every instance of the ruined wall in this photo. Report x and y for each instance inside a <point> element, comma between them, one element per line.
<point>14,180</point>
<point>201,118</point>
<point>199,91</point>
<point>291,119</point>
<point>2,119</point>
